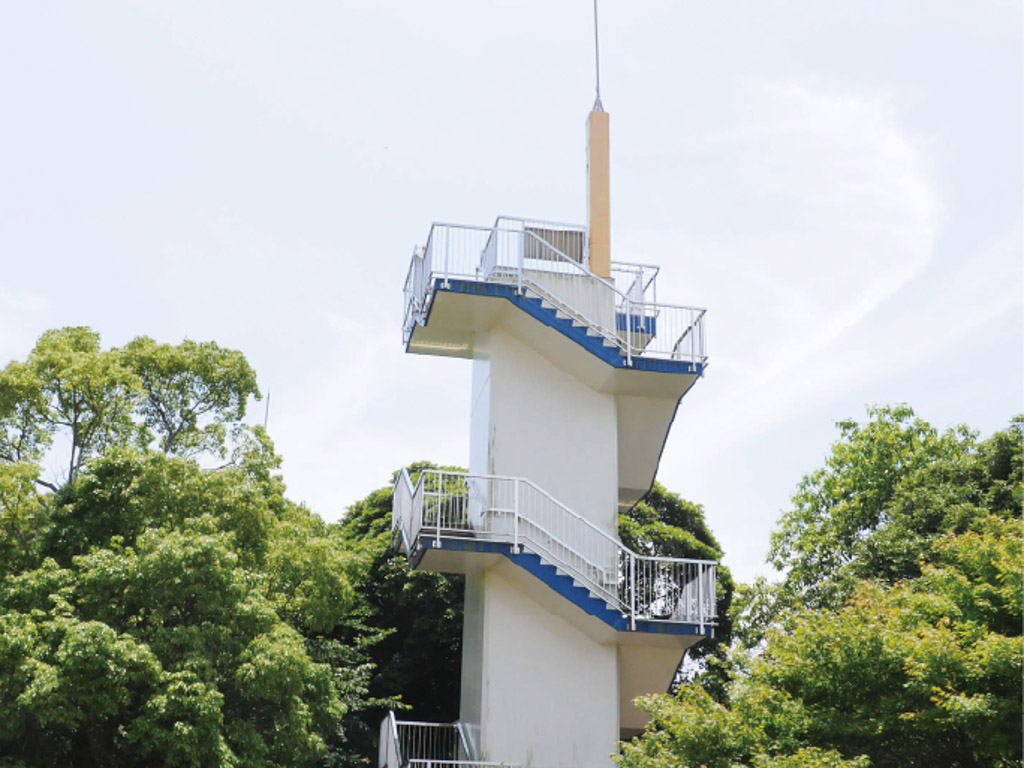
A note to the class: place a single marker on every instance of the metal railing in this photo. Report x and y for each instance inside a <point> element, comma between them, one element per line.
<point>416,743</point>
<point>431,741</point>
<point>637,281</point>
<point>389,752</point>
<point>443,505</point>
<point>549,260</point>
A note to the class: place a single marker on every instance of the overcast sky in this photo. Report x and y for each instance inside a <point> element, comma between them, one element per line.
<point>838,183</point>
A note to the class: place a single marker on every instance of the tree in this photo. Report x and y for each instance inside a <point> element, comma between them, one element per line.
<point>186,398</point>
<point>666,525</point>
<point>889,486</point>
<point>68,384</point>
<point>152,610</point>
<point>418,615</point>
<point>183,385</point>
<point>910,652</point>
<point>152,622</point>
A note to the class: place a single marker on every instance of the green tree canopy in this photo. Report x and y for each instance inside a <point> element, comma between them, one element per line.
<point>894,638</point>
<point>185,398</point>
<point>666,525</point>
<point>153,611</point>
<point>418,613</point>
<point>889,486</point>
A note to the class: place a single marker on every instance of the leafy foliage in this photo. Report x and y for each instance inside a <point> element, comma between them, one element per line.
<point>185,397</point>
<point>417,613</point>
<point>666,525</point>
<point>150,623</point>
<point>888,487</point>
<point>152,611</point>
<point>894,638</point>
<point>185,384</point>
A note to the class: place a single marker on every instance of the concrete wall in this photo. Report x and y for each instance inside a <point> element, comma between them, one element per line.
<point>546,426</point>
<point>591,299</point>
<point>535,690</point>
<point>471,701</point>
<point>548,693</point>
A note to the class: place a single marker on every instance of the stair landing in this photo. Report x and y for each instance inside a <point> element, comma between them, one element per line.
<point>454,336</point>
<point>463,554</point>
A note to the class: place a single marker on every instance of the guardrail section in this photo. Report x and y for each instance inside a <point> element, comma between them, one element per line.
<point>406,743</point>
<point>549,261</point>
<point>443,505</point>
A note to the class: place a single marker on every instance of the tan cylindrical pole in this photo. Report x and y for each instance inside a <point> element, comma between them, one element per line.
<point>598,194</point>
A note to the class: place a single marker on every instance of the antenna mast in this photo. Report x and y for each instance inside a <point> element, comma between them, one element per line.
<point>597,65</point>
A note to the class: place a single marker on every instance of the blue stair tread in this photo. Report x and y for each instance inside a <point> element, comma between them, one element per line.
<point>565,586</point>
<point>560,582</point>
<point>547,315</point>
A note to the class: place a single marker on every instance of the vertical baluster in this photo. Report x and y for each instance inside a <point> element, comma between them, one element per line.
<point>632,590</point>
<point>515,519</point>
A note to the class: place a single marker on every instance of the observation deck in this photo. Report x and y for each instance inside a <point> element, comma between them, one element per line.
<point>540,267</point>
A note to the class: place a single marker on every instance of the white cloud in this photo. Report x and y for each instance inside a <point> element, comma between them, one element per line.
<point>849,218</point>
<point>841,277</point>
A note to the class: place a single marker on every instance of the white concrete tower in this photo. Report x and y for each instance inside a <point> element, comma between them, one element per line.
<point>577,374</point>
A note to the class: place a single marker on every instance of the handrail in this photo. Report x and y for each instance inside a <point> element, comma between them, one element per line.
<point>428,763</point>
<point>470,754</point>
<point>563,225</point>
<point>389,750</point>
<point>567,510</point>
<point>405,743</point>
<point>638,327</point>
<point>517,511</point>
<point>572,311</point>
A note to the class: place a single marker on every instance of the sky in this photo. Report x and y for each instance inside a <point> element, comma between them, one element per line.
<point>840,184</point>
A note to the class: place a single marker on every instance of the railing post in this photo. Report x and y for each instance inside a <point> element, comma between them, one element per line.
<point>522,260</point>
<point>440,507</point>
<point>447,252</point>
<point>632,591</point>
<point>629,335</point>
<point>397,742</point>
<point>700,597</point>
<point>515,517</point>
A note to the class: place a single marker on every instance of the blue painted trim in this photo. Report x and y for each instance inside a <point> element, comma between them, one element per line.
<point>560,583</point>
<point>546,315</point>
<point>637,323</point>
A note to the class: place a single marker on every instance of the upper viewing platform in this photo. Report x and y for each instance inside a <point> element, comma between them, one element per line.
<point>468,278</point>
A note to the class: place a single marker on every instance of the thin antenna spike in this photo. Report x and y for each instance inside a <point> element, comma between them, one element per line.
<point>597,65</point>
<point>266,413</point>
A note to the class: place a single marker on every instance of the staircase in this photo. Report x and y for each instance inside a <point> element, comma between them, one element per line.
<point>625,328</point>
<point>584,564</point>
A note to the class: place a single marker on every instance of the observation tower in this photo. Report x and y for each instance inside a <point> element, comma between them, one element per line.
<point>578,370</point>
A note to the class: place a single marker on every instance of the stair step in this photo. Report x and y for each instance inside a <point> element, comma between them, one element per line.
<point>597,599</point>
<point>564,320</point>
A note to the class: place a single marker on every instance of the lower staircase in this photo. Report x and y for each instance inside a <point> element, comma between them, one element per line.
<point>514,518</point>
<point>415,744</point>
